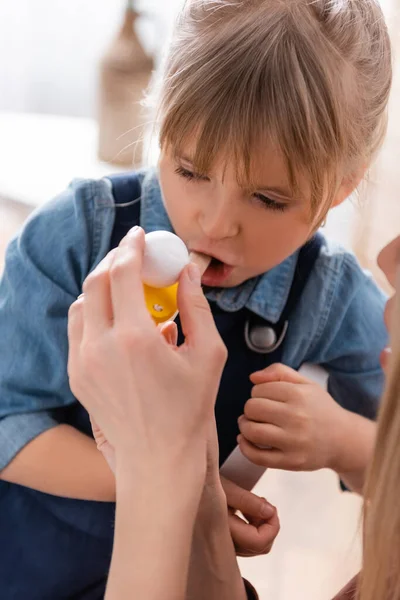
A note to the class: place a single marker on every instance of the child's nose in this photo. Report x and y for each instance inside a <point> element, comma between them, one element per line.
<point>219,221</point>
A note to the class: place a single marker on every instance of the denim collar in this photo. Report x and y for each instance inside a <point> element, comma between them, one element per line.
<point>265,295</point>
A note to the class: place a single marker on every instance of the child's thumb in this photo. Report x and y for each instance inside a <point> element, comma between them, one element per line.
<point>277,372</point>
<point>248,503</point>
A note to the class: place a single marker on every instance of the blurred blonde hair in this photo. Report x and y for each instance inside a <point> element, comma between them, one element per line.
<point>310,78</point>
<point>380,579</point>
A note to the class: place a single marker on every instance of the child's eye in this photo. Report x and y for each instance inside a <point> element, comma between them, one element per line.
<point>190,175</point>
<point>271,204</point>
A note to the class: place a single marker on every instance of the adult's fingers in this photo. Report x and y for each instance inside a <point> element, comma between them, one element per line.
<point>277,372</point>
<point>201,334</point>
<point>97,306</point>
<point>129,308</point>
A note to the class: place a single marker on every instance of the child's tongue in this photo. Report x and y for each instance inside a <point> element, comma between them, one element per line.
<point>216,273</point>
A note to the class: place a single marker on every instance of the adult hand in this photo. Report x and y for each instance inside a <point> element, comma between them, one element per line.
<point>170,332</point>
<point>151,400</point>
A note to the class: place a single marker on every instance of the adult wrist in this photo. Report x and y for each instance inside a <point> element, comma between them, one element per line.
<point>179,484</point>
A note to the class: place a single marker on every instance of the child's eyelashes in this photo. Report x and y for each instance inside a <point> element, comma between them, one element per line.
<point>190,175</point>
<point>271,204</point>
<point>264,200</point>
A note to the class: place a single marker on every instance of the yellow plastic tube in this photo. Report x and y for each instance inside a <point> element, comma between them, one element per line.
<point>162,303</point>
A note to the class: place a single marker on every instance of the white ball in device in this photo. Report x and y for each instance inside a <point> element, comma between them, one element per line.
<point>165,256</point>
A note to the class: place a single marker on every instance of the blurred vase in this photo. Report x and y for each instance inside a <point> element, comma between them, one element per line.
<point>125,73</point>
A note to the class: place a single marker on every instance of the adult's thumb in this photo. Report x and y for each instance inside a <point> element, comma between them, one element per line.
<point>198,326</point>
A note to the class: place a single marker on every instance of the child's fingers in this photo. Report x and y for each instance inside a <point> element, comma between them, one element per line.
<point>245,501</point>
<point>277,372</point>
<point>272,458</point>
<point>249,539</point>
<point>265,410</point>
<point>75,327</point>
<point>127,294</point>
<point>385,358</point>
<point>97,306</point>
<point>98,434</point>
<point>270,530</point>
<point>278,391</point>
<point>263,434</point>
<point>169,331</point>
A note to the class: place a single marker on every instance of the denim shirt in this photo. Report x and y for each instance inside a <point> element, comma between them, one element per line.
<point>338,322</point>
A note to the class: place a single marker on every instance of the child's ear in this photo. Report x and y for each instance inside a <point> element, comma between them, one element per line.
<point>349,184</point>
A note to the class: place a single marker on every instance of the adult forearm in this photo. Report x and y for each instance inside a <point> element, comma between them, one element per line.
<point>153,535</point>
<point>64,462</point>
<point>355,450</point>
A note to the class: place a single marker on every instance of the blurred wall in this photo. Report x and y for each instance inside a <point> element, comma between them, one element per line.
<point>50,49</point>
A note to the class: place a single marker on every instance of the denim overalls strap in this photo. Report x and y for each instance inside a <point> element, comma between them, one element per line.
<point>245,355</point>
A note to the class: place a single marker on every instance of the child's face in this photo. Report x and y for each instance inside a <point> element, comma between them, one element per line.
<point>248,233</point>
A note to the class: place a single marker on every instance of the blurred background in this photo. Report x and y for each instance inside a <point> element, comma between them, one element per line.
<point>71,78</point>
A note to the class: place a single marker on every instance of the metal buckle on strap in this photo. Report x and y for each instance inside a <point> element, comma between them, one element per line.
<point>263,339</point>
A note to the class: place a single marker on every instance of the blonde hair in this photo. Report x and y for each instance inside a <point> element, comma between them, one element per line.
<point>380,578</point>
<point>312,78</point>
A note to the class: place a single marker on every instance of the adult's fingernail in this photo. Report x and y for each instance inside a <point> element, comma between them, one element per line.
<point>267,510</point>
<point>193,272</point>
<point>133,232</point>
<point>129,236</point>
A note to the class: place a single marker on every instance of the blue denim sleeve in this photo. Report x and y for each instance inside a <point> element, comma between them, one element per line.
<point>45,267</point>
<point>352,340</point>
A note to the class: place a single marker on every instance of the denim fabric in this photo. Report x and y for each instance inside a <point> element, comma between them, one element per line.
<point>338,322</point>
<point>59,548</point>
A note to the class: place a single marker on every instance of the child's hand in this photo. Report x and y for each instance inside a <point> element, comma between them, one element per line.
<point>290,422</point>
<point>253,535</point>
<point>257,534</point>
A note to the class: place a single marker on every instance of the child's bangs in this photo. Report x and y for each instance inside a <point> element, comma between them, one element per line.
<point>207,135</point>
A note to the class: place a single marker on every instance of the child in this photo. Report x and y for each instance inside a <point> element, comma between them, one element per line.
<point>270,113</point>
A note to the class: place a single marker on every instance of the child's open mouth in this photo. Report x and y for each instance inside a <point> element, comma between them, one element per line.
<point>216,273</point>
